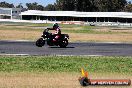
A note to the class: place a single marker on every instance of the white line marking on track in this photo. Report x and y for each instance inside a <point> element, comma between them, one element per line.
<point>14,54</point>
<point>49,55</point>
<point>81,55</point>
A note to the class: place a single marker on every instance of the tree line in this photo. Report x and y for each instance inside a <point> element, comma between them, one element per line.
<point>77,5</point>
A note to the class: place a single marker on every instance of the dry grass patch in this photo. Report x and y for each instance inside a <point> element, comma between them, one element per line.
<point>19,35</point>
<point>114,30</point>
<point>45,80</point>
<point>51,80</point>
<point>33,35</point>
<point>101,37</point>
<point>77,28</point>
<point>102,34</point>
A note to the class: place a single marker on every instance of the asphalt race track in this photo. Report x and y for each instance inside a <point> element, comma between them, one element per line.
<point>88,49</point>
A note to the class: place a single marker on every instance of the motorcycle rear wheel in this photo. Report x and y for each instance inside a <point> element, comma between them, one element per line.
<point>40,42</point>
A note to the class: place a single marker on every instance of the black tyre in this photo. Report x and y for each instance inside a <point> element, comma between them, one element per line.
<point>84,81</point>
<point>40,42</point>
<point>64,43</point>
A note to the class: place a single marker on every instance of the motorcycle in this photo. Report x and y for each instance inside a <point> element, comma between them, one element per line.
<point>48,37</point>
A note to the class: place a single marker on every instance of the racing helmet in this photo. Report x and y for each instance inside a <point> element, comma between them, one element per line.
<point>55,25</point>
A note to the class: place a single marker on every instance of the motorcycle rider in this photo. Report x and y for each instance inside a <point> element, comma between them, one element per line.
<point>57,31</point>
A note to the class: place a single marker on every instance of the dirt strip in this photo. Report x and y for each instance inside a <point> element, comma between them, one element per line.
<point>52,80</point>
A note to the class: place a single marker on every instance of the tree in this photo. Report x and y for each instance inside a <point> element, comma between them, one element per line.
<point>103,5</point>
<point>69,5</point>
<point>128,7</point>
<point>19,6</point>
<point>59,5</point>
<point>6,5</point>
<point>34,6</point>
<point>85,5</point>
<point>118,5</point>
<point>50,7</point>
<point>40,7</point>
<point>110,5</point>
<point>65,5</point>
<point>91,5</point>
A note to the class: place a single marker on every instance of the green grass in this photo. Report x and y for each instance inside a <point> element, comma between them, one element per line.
<point>14,26</point>
<point>38,24</point>
<point>88,31</point>
<point>82,29</point>
<point>65,64</point>
<point>50,25</point>
<point>18,28</point>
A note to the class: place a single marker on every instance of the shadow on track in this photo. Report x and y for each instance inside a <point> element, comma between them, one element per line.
<point>60,47</point>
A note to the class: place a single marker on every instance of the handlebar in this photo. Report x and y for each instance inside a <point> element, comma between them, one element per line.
<point>48,28</point>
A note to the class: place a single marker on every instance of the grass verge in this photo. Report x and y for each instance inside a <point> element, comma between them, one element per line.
<point>66,64</point>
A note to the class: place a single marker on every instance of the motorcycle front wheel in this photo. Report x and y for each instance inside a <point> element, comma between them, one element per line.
<point>40,42</point>
<point>64,43</point>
